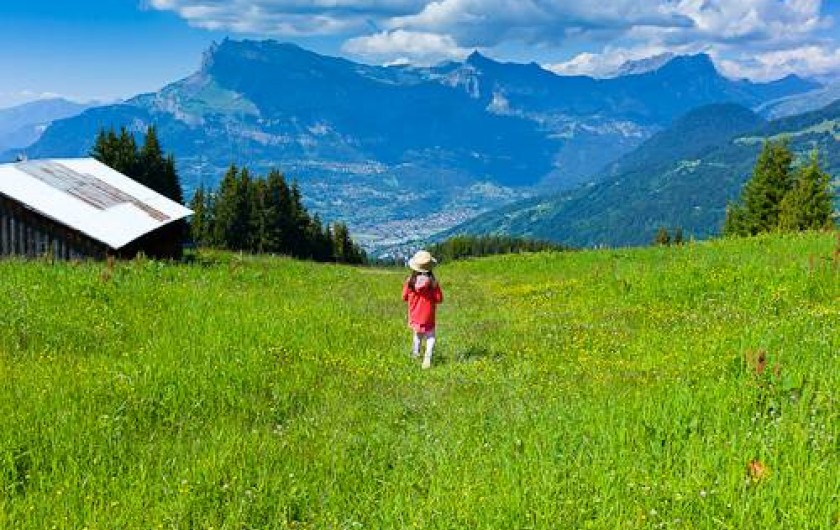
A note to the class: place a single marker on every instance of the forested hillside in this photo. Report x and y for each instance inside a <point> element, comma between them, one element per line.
<point>682,178</point>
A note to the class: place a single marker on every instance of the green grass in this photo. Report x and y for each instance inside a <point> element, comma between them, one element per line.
<point>602,389</point>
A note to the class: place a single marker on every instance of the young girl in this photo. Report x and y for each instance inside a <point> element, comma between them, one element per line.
<point>422,292</point>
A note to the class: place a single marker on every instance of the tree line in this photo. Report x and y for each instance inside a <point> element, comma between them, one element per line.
<point>781,197</point>
<point>146,163</point>
<point>664,238</point>
<point>266,215</point>
<point>258,215</point>
<point>465,246</point>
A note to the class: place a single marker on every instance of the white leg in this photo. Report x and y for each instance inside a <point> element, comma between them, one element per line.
<point>415,345</point>
<point>430,349</point>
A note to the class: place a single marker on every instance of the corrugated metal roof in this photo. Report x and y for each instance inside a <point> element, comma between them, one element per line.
<point>88,196</point>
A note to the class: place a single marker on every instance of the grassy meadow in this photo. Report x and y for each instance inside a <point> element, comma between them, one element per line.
<point>689,387</point>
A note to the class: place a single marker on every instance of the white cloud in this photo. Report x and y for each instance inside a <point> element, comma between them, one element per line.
<point>757,39</point>
<point>288,17</point>
<point>604,64</point>
<point>491,22</point>
<point>817,61</point>
<point>751,20</point>
<point>743,34</point>
<point>407,46</point>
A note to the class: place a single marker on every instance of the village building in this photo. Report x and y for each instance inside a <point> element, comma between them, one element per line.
<point>83,209</point>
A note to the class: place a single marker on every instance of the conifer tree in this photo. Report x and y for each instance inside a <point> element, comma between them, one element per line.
<point>171,184</point>
<point>735,223</point>
<point>663,238</point>
<point>778,198</point>
<point>117,152</point>
<point>265,215</point>
<point>298,219</point>
<point>262,214</point>
<point>102,149</point>
<point>150,158</point>
<point>224,212</point>
<point>199,224</point>
<point>809,205</point>
<point>278,202</point>
<point>760,204</point>
<point>341,243</point>
<point>147,164</point>
<point>320,244</point>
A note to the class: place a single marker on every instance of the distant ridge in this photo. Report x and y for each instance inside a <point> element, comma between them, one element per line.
<point>21,125</point>
<point>643,66</point>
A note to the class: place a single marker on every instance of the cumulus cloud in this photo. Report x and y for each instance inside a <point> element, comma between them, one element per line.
<point>817,61</point>
<point>400,46</point>
<point>606,63</point>
<point>757,39</point>
<point>610,32</point>
<point>751,20</point>
<point>288,17</point>
<point>491,22</point>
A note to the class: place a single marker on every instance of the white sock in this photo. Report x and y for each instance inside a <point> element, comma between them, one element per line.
<point>415,346</point>
<point>430,348</point>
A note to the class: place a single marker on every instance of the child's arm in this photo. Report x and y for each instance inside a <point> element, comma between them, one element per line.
<point>406,291</point>
<point>437,293</point>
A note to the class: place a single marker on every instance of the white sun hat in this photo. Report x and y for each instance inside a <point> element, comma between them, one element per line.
<point>422,261</point>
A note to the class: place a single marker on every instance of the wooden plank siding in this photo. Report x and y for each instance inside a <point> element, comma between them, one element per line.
<point>27,233</point>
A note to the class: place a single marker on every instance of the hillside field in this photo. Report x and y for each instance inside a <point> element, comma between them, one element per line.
<point>684,387</point>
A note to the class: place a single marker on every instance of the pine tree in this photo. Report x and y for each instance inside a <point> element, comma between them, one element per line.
<point>102,149</point>
<point>199,224</point>
<point>147,165</point>
<point>266,215</point>
<point>278,203</point>
<point>663,238</point>
<point>117,152</point>
<point>760,204</point>
<point>156,170</point>
<point>320,243</point>
<point>735,223</point>
<point>224,211</point>
<point>778,198</point>
<point>126,155</point>
<point>170,183</point>
<point>261,218</point>
<point>298,221</point>
<point>808,206</point>
<point>150,158</point>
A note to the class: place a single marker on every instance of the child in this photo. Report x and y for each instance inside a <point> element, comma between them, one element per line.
<point>422,292</point>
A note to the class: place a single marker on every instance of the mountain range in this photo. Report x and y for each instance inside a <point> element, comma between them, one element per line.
<point>682,177</point>
<point>22,125</point>
<point>404,151</point>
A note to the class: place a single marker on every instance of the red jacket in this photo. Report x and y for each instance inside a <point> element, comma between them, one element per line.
<point>422,300</point>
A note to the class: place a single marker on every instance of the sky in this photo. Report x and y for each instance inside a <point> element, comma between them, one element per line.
<point>106,50</point>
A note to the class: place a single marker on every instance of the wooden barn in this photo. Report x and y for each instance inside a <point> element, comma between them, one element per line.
<point>83,209</point>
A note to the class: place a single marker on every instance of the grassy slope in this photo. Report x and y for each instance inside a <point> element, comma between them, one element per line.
<point>581,390</point>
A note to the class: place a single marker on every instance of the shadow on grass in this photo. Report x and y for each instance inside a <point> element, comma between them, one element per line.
<point>468,354</point>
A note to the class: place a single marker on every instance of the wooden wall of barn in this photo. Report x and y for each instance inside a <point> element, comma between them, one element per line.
<point>24,232</point>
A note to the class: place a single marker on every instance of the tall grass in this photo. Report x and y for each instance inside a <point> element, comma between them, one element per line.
<point>691,387</point>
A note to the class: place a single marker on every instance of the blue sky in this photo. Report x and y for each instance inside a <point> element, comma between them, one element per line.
<point>109,49</point>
